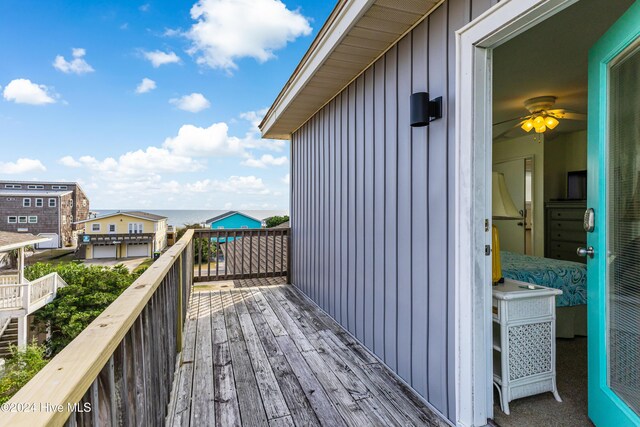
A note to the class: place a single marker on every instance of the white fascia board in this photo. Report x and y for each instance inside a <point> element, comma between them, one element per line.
<point>344,22</point>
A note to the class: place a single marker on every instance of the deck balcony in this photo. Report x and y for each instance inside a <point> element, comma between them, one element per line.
<point>212,334</point>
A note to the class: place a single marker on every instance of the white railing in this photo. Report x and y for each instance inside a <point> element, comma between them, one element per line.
<point>11,296</point>
<point>31,295</point>
<point>44,286</point>
<point>10,279</point>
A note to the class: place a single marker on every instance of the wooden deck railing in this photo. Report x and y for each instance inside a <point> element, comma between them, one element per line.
<point>228,254</point>
<point>120,369</point>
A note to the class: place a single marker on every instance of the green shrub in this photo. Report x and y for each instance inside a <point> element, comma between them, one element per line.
<point>276,220</point>
<point>19,368</point>
<point>89,290</point>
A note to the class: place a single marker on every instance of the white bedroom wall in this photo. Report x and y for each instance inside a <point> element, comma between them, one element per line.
<point>565,153</point>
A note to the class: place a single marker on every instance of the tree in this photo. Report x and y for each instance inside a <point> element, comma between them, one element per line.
<point>276,220</point>
<point>19,368</point>
<point>89,290</point>
<point>203,249</point>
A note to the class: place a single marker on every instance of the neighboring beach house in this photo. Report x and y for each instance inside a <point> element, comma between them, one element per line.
<point>20,297</point>
<point>234,219</point>
<point>47,209</point>
<point>123,235</point>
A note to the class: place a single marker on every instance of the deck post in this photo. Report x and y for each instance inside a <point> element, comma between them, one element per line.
<point>22,331</point>
<point>20,265</point>
<point>179,304</point>
<point>289,257</point>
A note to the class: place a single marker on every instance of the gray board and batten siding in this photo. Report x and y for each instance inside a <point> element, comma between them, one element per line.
<point>372,202</point>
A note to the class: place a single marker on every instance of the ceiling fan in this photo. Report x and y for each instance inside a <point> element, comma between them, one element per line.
<point>542,117</point>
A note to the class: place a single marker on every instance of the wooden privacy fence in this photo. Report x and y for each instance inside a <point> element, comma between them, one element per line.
<point>228,254</point>
<point>119,370</point>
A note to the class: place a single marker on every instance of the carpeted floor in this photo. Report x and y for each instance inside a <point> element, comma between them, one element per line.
<point>543,410</point>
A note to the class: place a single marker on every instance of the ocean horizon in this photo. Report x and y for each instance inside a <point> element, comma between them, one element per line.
<point>182,217</point>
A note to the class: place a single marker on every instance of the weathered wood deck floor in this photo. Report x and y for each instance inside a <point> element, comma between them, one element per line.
<point>267,356</point>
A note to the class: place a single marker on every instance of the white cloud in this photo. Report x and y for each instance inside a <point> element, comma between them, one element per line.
<point>23,91</point>
<point>227,30</point>
<point>77,65</point>
<point>146,85</point>
<point>253,139</point>
<point>233,184</point>
<point>204,142</point>
<point>145,7</point>
<point>158,58</point>
<point>22,165</point>
<point>194,102</point>
<point>287,179</point>
<point>265,160</point>
<point>69,162</point>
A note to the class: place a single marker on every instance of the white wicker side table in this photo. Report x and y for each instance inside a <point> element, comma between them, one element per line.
<point>524,341</point>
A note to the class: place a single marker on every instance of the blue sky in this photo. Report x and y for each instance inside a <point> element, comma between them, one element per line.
<point>151,104</point>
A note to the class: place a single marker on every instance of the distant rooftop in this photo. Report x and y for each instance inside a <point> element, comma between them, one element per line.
<point>31,193</point>
<point>10,241</point>
<point>135,214</point>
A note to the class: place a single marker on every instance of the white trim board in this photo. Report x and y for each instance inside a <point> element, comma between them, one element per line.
<point>473,143</point>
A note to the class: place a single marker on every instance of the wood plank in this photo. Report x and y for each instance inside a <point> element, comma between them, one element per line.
<point>227,411</point>
<point>250,402</point>
<point>269,316</point>
<point>298,337</point>
<point>264,332</point>
<point>338,395</point>
<point>182,410</point>
<point>303,315</point>
<point>301,410</point>
<point>322,406</point>
<point>272,398</point>
<point>282,422</point>
<point>202,405</point>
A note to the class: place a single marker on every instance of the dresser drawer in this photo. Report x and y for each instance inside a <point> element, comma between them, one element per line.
<point>564,225</point>
<point>567,236</point>
<point>567,214</point>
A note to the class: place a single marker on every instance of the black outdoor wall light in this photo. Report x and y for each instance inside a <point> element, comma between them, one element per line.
<point>424,111</point>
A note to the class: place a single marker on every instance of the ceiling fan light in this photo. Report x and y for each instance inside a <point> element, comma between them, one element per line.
<point>551,122</point>
<point>527,125</point>
<point>538,121</point>
<point>541,129</point>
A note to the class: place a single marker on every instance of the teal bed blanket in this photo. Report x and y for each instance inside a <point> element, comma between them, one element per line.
<point>570,277</point>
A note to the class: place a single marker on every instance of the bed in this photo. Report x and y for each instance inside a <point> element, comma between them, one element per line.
<point>570,277</point>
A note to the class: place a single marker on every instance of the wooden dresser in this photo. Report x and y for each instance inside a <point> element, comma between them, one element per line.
<point>564,231</point>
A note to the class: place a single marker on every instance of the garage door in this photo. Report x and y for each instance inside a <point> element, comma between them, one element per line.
<point>53,243</point>
<point>137,250</point>
<point>104,251</point>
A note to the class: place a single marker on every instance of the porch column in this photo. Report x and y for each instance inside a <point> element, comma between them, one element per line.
<point>20,265</point>
<point>22,331</point>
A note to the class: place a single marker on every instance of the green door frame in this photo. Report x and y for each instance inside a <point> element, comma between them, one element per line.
<point>605,407</point>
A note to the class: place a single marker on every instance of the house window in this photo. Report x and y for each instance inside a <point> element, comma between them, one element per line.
<point>112,228</point>
<point>39,203</point>
<point>135,227</point>
<point>12,219</point>
<point>33,220</point>
<point>52,203</point>
<point>58,187</point>
<point>12,186</point>
<point>84,203</point>
<point>26,203</point>
<point>35,187</point>
<point>221,227</point>
<point>95,227</point>
<point>22,220</point>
